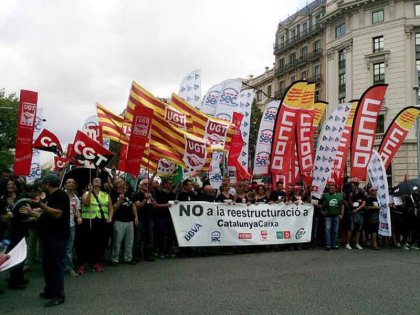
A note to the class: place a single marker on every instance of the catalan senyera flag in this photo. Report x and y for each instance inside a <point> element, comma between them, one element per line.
<point>112,125</point>
<point>218,132</point>
<point>167,140</point>
<point>397,132</point>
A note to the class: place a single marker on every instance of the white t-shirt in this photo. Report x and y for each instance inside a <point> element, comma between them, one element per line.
<point>74,205</point>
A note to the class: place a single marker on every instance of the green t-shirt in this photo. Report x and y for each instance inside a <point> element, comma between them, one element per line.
<point>332,204</point>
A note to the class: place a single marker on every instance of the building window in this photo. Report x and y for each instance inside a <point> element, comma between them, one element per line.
<point>317,45</point>
<point>379,72</point>
<point>380,124</point>
<point>269,90</point>
<point>417,39</point>
<point>292,34</point>
<point>303,75</point>
<point>292,58</point>
<point>341,83</point>
<point>292,79</point>
<point>317,71</point>
<point>259,96</point>
<point>317,95</point>
<point>303,52</point>
<point>340,30</point>
<point>282,40</point>
<point>417,9</point>
<point>377,16</point>
<point>341,100</point>
<point>281,64</point>
<point>305,27</point>
<point>281,86</point>
<point>317,17</point>
<point>341,60</point>
<point>378,44</point>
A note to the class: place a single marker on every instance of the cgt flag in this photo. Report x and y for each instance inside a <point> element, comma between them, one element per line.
<point>25,131</point>
<point>87,151</point>
<point>364,129</point>
<point>140,133</point>
<point>59,163</point>
<point>47,141</point>
<point>397,132</point>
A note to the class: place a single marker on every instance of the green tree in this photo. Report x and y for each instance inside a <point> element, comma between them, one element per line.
<point>9,105</point>
<point>256,115</point>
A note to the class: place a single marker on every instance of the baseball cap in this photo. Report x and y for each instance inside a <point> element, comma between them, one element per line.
<point>51,179</point>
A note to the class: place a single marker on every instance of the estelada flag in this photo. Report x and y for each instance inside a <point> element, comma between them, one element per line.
<point>364,129</point>
<point>140,133</point>
<point>397,132</point>
<point>47,141</point>
<point>25,132</point>
<point>87,151</point>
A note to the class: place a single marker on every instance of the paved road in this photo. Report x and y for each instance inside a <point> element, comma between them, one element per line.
<point>288,282</point>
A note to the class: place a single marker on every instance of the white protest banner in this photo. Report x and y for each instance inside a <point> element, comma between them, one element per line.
<point>265,136</point>
<point>211,98</point>
<point>245,102</point>
<point>377,176</point>
<point>221,224</point>
<point>35,171</point>
<point>190,89</point>
<point>228,101</point>
<point>326,151</point>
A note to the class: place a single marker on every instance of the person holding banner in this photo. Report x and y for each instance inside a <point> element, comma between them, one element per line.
<point>332,209</point>
<point>278,195</point>
<point>97,213</point>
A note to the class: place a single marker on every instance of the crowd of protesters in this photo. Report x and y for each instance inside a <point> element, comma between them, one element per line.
<point>72,229</point>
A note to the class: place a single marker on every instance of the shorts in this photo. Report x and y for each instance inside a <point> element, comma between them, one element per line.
<point>356,221</point>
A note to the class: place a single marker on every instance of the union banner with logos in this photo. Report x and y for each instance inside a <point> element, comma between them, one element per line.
<point>223,224</point>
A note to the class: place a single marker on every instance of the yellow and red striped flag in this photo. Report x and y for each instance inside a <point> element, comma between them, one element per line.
<point>167,140</point>
<point>112,124</point>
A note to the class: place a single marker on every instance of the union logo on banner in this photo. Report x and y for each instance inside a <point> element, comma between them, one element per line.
<point>175,117</point>
<point>28,114</point>
<point>216,132</point>
<point>141,126</point>
<point>195,154</point>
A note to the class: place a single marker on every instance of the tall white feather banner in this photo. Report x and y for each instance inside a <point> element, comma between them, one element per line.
<point>190,89</point>
<point>377,175</point>
<point>246,98</point>
<point>326,151</point>
<point>228,101</point>
<point>211,98</point>
<point>265,136</point>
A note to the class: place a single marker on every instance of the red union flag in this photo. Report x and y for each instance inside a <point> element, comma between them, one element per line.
<point>195,154</point>
<point>95,132</point>
<point>87,151</point>
<point>177,118</point>
<point>364,129</point>
<point>216,132</point>
<point>59,163</point>
<point>25,131</point>
<point>284,130</point>
<point>140,131</point>
<point>47,141</point>
<point>237,142</point>
<point>396,133</point>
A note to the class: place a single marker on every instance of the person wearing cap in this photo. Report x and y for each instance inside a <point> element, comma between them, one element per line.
<point>54,231</point>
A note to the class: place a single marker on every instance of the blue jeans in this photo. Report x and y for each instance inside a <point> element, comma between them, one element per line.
<point>331,231</point>
<point>68,257</point>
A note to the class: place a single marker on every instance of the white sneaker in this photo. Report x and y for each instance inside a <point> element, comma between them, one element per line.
<point>358,246</point>
<point>348,247</point>
<point>414,247</point>
<point>406,247</point>
<point>398,244</point>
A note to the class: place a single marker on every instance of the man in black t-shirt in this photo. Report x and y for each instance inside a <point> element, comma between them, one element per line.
<point>164,232</point>
<point>54,230</point>
<point>187,193</point>
<point>278,195</point>
<point>125,214</point>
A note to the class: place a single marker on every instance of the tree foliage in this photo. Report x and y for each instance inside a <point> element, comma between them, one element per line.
<point>256,115</point>
<point>9,105</point>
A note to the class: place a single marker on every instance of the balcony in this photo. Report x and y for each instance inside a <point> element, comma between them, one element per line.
<point>278,48</point>
<point>315,79</point>
<point>298,62</point>
<point>280,93</point>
